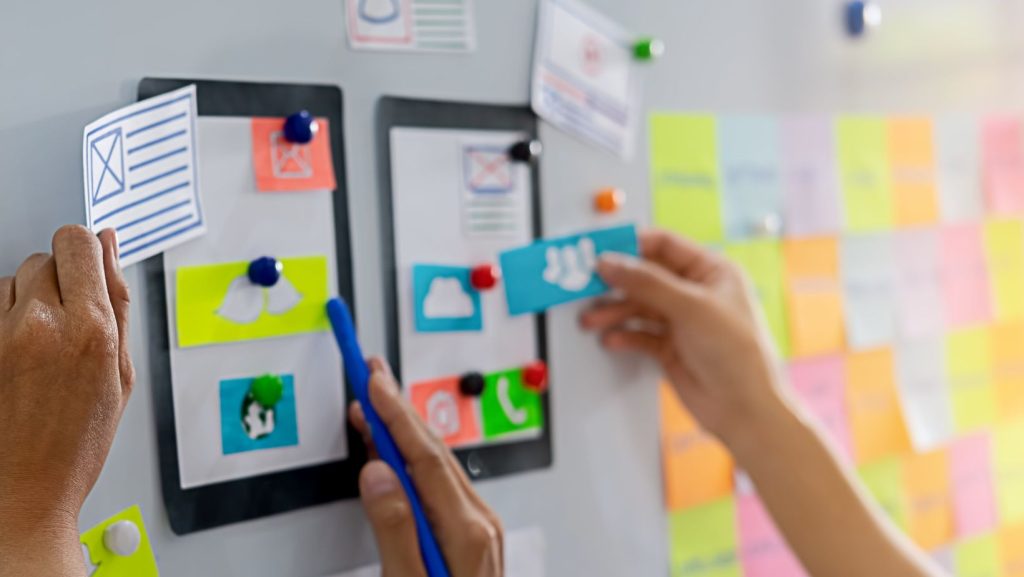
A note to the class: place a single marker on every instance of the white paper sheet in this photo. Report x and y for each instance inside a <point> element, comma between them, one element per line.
<point>925,393</point>
<point>959,167</point>
<point>411,25</point>
<point>868,274</point>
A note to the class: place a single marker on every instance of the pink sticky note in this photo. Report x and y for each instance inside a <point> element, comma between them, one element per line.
<point>1003,164</point>
<point>918,284</point>
<point>974,502</point>
<point>965,275</point>
<point>763,551</point>
<point>810,182</point>
<point>821,383</point>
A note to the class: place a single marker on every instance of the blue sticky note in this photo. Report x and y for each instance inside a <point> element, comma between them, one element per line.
<point>561,270</point>
<point>445,300</point>
<point>751,180</point>
<point>246,426</point>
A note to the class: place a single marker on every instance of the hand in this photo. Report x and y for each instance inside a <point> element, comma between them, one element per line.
<point>468,531</point>
<point>694,312</point>
<point>65,376</point>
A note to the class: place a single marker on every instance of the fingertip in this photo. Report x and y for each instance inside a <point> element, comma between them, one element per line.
<point>110,241</point>
<point>377,479</point>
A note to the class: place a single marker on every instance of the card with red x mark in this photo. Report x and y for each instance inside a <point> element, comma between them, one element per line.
<point>283,166</point>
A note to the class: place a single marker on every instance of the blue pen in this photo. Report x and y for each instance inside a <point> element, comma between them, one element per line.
<point>359,378</point>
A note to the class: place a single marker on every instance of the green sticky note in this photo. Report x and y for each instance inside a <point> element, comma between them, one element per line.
<point>762,261</point>
<point>217,304</point>
<point>969,365</point>
<point>1009,465</point>
<point>884,480</point>
<point>140,564</point>
<point>864,173</point>
<point>702,541</point>
<point>978,557</point>
<point>685,176</point>
<point>507,406</point>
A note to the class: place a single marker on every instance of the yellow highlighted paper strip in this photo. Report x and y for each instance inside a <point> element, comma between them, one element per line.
<point>203,302</point>
<point>703,541</point>
<point>864,173</point>
<point>978,557</point>
<point>140,564</point>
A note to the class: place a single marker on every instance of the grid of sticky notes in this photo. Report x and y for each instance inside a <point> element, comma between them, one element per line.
<point>888,256</point>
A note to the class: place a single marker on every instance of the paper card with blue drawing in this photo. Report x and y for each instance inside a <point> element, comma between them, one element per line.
<point>445,300</point>
<point>493,204</point>
<point>561,270</point>
<point>141,175</point>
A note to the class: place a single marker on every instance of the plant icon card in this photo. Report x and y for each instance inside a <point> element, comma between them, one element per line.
<point>246,425</point>
<point>411,25</point>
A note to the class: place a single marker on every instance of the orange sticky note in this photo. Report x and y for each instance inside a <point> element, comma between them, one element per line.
<point>283,166</point>
<point>875,417</point>
<point>697,467</point>
<point>929,493</point>
<point>912,161</point>
<point>1011,550</point>
<point>813,296</point>
<point>449,413</point>
<point>1008,370</point>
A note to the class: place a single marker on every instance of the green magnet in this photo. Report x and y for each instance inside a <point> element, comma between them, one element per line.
<point>648,49</point>
<point>267,390</point>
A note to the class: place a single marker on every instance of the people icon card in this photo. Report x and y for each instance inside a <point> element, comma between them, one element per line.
<point>445,300</point>
<point>258,413</point>
<point>507,406</point>
<point>283,166</point>
<point>449,413</point>
<point>561,270</point>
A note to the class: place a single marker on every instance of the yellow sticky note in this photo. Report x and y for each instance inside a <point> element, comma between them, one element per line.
<point>1011,550</point>
<point>685,176</point>
<point>1008,370</point>
<point>1009,465</point>
<point>697,467</point>
<point>864,173</point>
<point>703,541</point>
<point>1004,251</point>
<point>912,161</point>
<point>762,261</point>
<point>978,557</point>
<point>884,481</point>
<point>969,365</point>
<point>813,296</point>
<point>876,420</point>
<point>140,564</point>
<point>929,498</point>
<point>217,304</point>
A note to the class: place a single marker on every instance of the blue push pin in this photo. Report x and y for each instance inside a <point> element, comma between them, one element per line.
<point>860,16</point>
<point>265,271</point>
<point>300,127</point>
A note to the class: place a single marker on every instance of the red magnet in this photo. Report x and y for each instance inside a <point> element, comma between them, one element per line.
<point>535,376</point>
<point>484,277</point>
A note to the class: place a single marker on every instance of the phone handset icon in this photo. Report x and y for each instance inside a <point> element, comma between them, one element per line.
<point>516,416</point>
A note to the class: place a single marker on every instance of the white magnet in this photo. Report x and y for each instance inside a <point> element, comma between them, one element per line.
<point>122,538</point>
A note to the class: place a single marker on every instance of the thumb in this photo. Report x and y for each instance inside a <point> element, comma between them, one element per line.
<point>648,283</point>
<point>392,520</point>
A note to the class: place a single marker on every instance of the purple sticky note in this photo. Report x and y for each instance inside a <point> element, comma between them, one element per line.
<point>974,503</point>
<point>919,310</point>
<point>763,551</point>
<point>965,275</point>
<point>1003,163</point>
<point>810,182</point>
<point>821,383</point>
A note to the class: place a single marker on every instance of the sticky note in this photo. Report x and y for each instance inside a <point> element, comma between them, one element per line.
<point>451,415</point>
<point>507,406</point>
<point>978,557</point>
<point>959,168</point>
<point>813,296</point>
<point>217,303</point>
<point>751,187</point>
<point>1004,251</point>
<point>697,467</point>
<point>926,477</point>
<point>1009,467</point>
<point>919,301</point>
<point>864,173</point>
<point>945,559</point>
<point>810,181</point>
<point>763,551</point>
<point>283,166</point>
<point>141,564</point>
<point>444,300</point>
<point>964,276</point>
<point>875,418</point>
<point>246,426</point>
<point>560,270</point>
<point>702,541</point>
<point>969,365</point>
<point>925,395</point>
<point>911,146</point>
<point>869,274</point>
<point>762,261</point>
<point>974,501</point>
<point>821,384</point>
<point>685,176</point>
<point>141,175</point>
<point>1002,144</point>
<point>1008,370</point>
<point>884,482</point>
<point>1011,550</point>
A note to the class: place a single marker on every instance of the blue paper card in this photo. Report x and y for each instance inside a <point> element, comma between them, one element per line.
<point>445,300</point>
<point>246,426</point>
<point>751,184</point>
<point>561,270</point>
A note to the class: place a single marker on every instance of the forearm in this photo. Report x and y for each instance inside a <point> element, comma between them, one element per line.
<point>48,549</point>
<point>824,514</point>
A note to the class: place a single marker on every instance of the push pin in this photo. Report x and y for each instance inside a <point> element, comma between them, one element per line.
<point>122,538</point>
<point>472,384</point>
<point>265,271</point>
<point>648,49</point>
<point>484,277</point>
<point>860,16</point>
<point>769,225</point>
<point>301,127</point>
<point>526,151</point>
<point>267,390</point>
<point>535,377</point>
<point>609,200</point>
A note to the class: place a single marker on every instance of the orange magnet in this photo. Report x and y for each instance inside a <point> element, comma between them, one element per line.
<point>609,200</point>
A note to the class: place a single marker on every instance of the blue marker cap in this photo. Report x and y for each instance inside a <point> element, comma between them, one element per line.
<point>265,271</point>
<point>300,127</point>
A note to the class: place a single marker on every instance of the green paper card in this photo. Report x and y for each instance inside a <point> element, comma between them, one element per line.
<point>140,564</point>
<point>762,261</point>
<point>884,480</point>
<point>218,304</point>
<point>508,406</point>
<point>703,541</point>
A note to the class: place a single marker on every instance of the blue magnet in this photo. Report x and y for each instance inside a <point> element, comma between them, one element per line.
<point>300,127</point>
<point>861,15</point>
<point>265,271</point>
